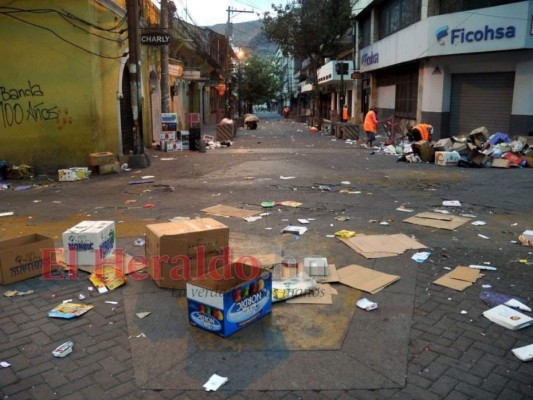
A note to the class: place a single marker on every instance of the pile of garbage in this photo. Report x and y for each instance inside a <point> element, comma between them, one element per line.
<point>476,149</point>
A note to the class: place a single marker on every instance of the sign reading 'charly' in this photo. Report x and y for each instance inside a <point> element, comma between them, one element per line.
<point>155,38</point>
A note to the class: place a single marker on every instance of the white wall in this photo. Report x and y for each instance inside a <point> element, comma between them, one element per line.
<point>386,97</point>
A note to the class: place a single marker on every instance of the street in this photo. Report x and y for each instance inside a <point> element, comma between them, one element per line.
<point>424,341</point>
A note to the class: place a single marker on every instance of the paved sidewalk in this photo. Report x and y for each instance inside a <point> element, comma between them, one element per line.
<point>450,350</point>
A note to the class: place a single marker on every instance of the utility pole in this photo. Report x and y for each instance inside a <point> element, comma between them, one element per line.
<point>227,65</point>
<point>165,87</point>
<point>132,7</point>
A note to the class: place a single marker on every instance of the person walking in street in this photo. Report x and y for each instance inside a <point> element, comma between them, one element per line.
<point>345,113</point>
<point>370,126</point>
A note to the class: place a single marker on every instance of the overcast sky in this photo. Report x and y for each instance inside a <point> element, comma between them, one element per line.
<point>212,12</point>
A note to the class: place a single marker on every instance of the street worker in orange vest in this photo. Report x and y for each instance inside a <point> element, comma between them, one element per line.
<point>420,132</point>
<point>370,126</point>
<point>345,115</point>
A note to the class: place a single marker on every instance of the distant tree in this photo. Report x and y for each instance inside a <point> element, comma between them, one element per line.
<point>259,79</point>
<point>309,29</point>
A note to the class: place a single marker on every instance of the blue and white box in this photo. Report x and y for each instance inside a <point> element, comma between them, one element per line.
<point>89,242</point>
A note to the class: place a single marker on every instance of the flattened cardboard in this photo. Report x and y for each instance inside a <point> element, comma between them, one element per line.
<point>377,246</point>
<point>459,279</point>
<point>365,279</point>
<point>332,277</point>
<point>436,220</point>
<point>228,211</point>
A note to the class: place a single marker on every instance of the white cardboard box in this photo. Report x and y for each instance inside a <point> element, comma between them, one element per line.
<point>508,317</point>
<point>447,157</point>
<point>524,353</point>
<point>90,242</point>
<point>167,136</point>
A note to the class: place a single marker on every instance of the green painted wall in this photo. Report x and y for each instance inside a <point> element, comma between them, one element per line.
<point>59,80</point>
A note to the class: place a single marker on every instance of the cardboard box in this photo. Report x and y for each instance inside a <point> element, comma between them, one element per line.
<point>508,317</point>
<point>167,136</point>
<point>443,145</point>
<point>447,158</point>
<point>73,174</point>
<point>104,157</point>
<point>423,149</point>
<point>229,298</point>
<point>461,148</point>
<point>22,257</point>
<point>479,136</point>
<point>109,168</point>
<point>500,163</point>
<point>172,146</point>
<point>181,250</point>
<point>89,242</point>
<point>316,266</point>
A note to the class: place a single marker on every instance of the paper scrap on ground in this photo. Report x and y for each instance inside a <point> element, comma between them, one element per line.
<point>303,221</point>
<point>451,203</point>
<point>215,382</point>
<point>12,293</point>
<point>366,304</point>
<point>345,234</point>
<point>484,267</point>
<point>377,246</point>
<point>4,364</point>
<point>421,256</point>
<point>365,279</point>
<point>297,230</point>
<point>483,236</point>
<point>69,310</point>
<point>517,304</point>
<point>253,218</point>
<point>7,214</point>
<point>286,177</point>
<point>479,223</point>
<point>289,203</point>
<point>524,353</point>
<point>228,211</point>
<point>436,220</point>
<point>143,314</point>
<point>459,279</point>
<point>508,317</point>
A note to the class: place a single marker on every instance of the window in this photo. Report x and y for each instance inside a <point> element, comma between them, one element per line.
<point>366,33</point>
<point>396,15</point>
<point>405,79</point>
<point>448,6</point>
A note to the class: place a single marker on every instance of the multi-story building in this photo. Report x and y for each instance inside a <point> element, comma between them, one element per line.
<point>457,65</point>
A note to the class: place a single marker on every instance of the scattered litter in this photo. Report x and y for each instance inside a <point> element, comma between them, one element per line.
<point>4,364</point>
<point>486,286</point>
<point>303,221</point>
<point>12,293</point>
<point>287,177</point>
<point>228,211</point>
<point>67,301</point>
<point>143,314</point>
<point>111,302</point>
<point>435,220</point>
<point>149,205</point>
<point>468,215</point>
<point>265,214</point>
<point>252,218</point>
<point>297,230</point>
<point>345,234</point>
<point>139,242</point>
<point>147,177</point>
<point>140,335</point>
<point>268,204</point>
<point>404,209</point>
<point>214,383</point>
<point>346,183</point>
<point>495,299</point>
<point>130,201</point>
<point>440,211</point>
<point>7,214</point>
<point>421,256</point>
<point>378,246</point>
<point>342,218</point>
<point>141,182</point>
<point>107,278</point>
<point>174,219</point>
<point>508,317</point>
<point>517,304</point>
<point>350,191</point>
<point>458,279</point>
<point>81,296</point>
<point>483,236</point>
<point>366,304</point>
<point>289,203</point>
<point>464,312</point>
<point>526,238</point>
<point>365,279</point>
<point>479,223</point>
<point>63,350</point>
<point>216,194</point>
<point>283,289</point>
<point>384,223</point>
<point>524,353</point>
<point>451,203</point>
<point>69,310</point>
<point>485,267</point>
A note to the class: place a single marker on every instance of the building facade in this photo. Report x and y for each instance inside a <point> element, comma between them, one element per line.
<point>456,65</point>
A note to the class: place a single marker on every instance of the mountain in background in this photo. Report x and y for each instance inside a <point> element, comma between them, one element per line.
<point>250,36</point>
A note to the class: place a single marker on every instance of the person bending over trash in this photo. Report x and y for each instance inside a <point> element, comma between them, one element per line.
<point>420,132</point>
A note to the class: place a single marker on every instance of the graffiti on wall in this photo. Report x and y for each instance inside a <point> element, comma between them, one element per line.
<point>22,105</point>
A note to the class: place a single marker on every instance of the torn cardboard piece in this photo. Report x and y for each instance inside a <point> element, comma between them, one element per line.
<point>437,220</point>
<point>365,279</point>
<point>332,276</point>
<point>377,246</point>
<point>228,211</point>
<point>459,279</point>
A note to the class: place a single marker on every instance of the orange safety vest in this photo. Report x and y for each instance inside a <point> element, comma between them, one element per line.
<point>371,122</point>
<point>345,113</point>
<point>424,130</point>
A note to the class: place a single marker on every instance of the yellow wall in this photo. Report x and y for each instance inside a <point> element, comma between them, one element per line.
<point>58,102</point>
